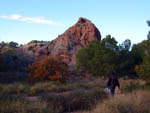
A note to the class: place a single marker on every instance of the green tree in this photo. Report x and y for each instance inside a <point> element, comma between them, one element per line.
<point>13,44</point>
<point>148,22</point>
<point>110,43</point>
<point>2,44</point>
<point>99,57</point>
<point>14,60</point>
<point>126,45</point>
<point>148,36</point>
<point>125,59</point>
<point>143,69</point>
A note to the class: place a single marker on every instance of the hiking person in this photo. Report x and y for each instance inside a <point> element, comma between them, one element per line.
<point>112,83</point>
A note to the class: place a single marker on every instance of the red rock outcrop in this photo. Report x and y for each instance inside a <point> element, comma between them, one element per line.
<point>67,44</point>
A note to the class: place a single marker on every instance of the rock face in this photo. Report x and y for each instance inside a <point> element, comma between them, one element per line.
<point>66,45</point>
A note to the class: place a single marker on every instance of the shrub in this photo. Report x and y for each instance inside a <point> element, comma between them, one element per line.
<point>48,69</point>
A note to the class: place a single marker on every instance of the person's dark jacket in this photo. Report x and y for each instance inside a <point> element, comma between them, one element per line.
<point>113,82</point>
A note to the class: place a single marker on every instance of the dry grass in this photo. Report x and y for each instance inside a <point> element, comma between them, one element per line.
<point>16,104</point>
<point>51,97</point>
<point>124,83</point>
<point>50,86</point>
<point>74,101</point>
<point>136,102</point>
<point>51,103</point>
<point>83,94</point>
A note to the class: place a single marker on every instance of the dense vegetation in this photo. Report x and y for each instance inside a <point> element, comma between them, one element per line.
<point>12,59</point>
<point>106,56</point>
<point>96,57</point>
<point>143,69</point>
<point>101,58</point>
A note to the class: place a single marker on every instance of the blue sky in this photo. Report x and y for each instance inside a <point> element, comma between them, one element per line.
<point>26,20</point>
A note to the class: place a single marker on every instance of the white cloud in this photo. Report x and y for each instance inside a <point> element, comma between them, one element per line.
<point>15,17</point>
<point>3,17</point>
<point>39,20</point>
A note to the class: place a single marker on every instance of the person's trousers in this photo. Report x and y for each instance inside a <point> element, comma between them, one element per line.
<point>112,91</point>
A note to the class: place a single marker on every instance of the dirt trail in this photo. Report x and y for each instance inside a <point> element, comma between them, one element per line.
<point>37,98</point>
<point>77,112</point>
<point>32,99</point>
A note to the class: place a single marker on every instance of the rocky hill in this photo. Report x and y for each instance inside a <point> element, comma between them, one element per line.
<point>66,45</point>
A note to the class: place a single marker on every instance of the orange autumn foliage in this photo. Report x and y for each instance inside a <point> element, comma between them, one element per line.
<point>48,69</point>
